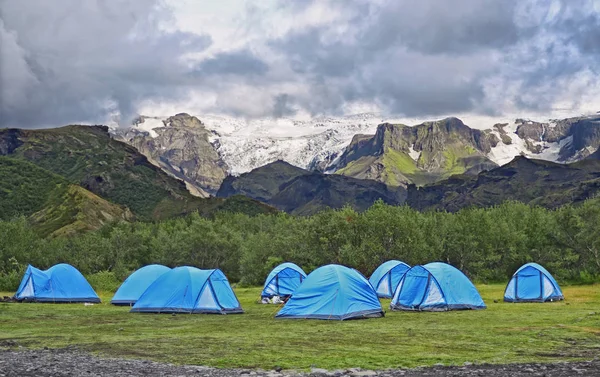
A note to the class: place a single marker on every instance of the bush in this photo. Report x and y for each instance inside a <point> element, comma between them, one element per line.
<point>10,281</point>
<point>104,281</point>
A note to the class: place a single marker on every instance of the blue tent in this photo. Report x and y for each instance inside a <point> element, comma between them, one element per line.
<point>133,287</point>
<point>189,290</point>
<point>59,283</point>
<point>386,277</point>
<point>283,280</point>
<point>532,283</point>
<point>333,292</point>
<point>436,287</point>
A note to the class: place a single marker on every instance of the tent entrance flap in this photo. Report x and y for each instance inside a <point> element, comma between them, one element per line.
<point>413,291</point>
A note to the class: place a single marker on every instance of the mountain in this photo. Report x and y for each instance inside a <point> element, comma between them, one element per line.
<point>200,150</point>
<point>530,181</point>
<point>52,204</point>
<point>181,146</point>
<point>262,183</point>
<point>301,192</point>
<point>400,155</point>
<point>89,157</point>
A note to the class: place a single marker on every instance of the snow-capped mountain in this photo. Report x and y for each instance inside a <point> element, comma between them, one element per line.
<point>319,143</point>
<point>314,144</point>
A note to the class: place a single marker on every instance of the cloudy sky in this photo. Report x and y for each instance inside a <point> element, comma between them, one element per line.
<point>92,61</point>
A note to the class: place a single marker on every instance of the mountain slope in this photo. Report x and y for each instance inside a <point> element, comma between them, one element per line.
<point>311,193</point>
<point>76,210</point>
<point>52,204</point>
<point>298,191</point>
<point>400,155</point>
<point>526,180</point>
<point>201,150</point>
<point>89,157</point>
<point>261,183</point>
<point>180,146</point>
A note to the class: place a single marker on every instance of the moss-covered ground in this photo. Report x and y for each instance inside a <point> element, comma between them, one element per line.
<point>503,333</point>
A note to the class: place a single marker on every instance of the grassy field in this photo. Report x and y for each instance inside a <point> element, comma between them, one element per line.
<point>504,333</point>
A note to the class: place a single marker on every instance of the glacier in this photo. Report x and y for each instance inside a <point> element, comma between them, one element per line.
<point>316,143</point>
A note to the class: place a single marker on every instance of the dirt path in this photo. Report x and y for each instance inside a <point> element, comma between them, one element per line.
<point>61,363</point>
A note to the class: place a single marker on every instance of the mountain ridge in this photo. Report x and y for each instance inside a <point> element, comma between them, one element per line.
<point>324,145</point>
<point>301,192</point>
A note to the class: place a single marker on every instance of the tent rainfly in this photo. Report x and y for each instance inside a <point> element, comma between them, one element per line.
<point>189,290</point>
<point>387,276</point>
<point>532,283</point>
<point>59,283</point>
<point>283,281</point>
<point>435,287</point>
<point>133,287</point>
<point>333,292</point>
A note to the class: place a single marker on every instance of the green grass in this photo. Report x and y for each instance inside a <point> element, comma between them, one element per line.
<point>504,333</point>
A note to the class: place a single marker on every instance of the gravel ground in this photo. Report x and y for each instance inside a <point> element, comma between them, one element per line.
<point>59,363</point>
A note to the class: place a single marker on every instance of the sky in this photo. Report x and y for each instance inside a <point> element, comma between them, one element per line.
<point>95,61</point>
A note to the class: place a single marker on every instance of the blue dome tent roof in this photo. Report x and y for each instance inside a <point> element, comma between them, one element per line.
<point>283,280</point>
<point>436,287</point>
<point>532,283</point>
<point>136,283</point>
<point>333,292</point>
<point>386,277</point>
<point>59,283</point>
<point>189,290</point>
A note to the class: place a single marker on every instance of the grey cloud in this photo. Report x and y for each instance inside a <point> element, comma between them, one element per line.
<point>433,27</point>
<point>80,61</point>
<point>74,61</point>
<point>282,106</point>
<point>431,58</point>
<point>242,62</point>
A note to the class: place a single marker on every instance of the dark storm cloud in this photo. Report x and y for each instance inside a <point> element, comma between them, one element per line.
<point>71,61</point>
<point>79,60</point>
<point>430,57</point>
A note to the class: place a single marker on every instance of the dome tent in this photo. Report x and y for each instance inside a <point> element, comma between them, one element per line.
<point>189,290</point>
<point>59,283</point>
<point>386,277</point>
<point>333,292</point>
<point>283,280</point>
<point>435,287</point>
<point>136,283</point>
<point>532,283</point>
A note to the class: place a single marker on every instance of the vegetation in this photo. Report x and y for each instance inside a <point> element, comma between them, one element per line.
<point>88,157</point>
<point>503,333</point>
<point>487,244</point>
<point>534,182</point>
<point>52,204</point>
<point>25,188</point>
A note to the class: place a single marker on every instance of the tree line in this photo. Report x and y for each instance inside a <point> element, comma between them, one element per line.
<point>487,244</point>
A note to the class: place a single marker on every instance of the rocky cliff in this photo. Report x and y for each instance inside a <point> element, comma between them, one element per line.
<point>399,155</point>
<point>182,148</point>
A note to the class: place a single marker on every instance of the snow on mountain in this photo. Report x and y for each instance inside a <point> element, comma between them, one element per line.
<point>245,144</point>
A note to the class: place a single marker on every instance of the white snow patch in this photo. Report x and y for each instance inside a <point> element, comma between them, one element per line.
<point>413,153</point>
<point>502,153</point>
<point>247,144</point>
<point>148,125</point>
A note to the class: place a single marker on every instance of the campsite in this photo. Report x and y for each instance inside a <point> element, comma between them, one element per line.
<point>502,333</point>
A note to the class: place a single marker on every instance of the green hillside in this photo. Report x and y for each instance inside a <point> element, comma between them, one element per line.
<point>89,157</point>
<point>534,182</point>
<point>52,205</point>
